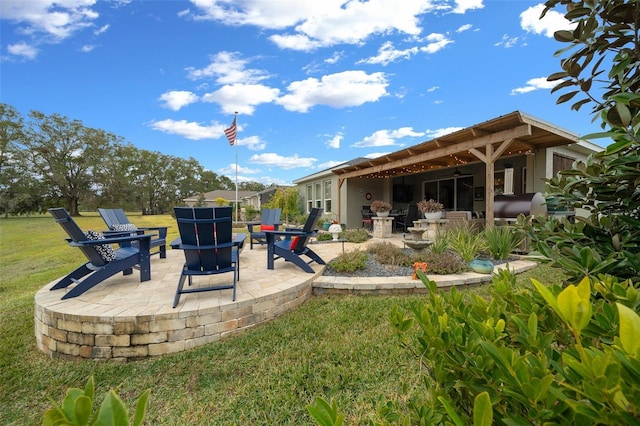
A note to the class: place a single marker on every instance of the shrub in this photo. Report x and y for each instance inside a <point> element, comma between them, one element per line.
<point>466,242</point>
<point>324,236</point>
<point>357,235</point>
<point>442,242</point>
<point>501,241</point>
<point>77,409</point>
<point>380,206</point>
<point>389,254</point>
<point>444,263</point>
<point>543,355</point>
<point>350,261</point>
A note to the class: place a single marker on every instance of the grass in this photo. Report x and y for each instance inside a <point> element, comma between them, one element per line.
<point>338,347</point>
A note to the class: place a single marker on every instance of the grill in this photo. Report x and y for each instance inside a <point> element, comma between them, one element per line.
<point>510,206</point>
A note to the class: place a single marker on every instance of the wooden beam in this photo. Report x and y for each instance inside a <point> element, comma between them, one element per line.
<point>486,140</point>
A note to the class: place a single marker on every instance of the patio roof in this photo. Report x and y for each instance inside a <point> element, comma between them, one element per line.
<point>510,134</point>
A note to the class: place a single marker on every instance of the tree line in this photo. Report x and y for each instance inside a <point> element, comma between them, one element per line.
<point>51,160</point>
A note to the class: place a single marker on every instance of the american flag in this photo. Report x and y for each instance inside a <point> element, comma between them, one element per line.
<point>231,132</point>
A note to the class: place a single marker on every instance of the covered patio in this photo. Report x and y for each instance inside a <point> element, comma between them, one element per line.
<point>464,170</point>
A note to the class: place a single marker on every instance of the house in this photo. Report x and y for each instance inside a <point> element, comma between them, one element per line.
<point>321,189</point>
<point>208,199</point>
<point>464,170</point>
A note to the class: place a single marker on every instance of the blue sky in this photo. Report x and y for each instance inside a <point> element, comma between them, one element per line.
<point>315,83</point>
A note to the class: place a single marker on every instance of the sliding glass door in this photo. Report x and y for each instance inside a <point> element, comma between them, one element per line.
<point>455,193</point>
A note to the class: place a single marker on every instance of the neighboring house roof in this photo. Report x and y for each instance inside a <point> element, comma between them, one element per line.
<point>514,133</point>
<point>227,195</point>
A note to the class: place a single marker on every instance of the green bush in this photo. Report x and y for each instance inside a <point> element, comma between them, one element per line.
<point>466,241</point>
<point>390,254</point>
<point>324,236</point>
<point>501,241</point>
<point>544,355</point>
<point>444,263</point>
<point>356,235</point>
<point>442,242</point>
<point>350,261</point>
<point>77,409</point>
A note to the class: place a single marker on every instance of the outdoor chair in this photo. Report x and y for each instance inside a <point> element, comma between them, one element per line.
<point>294,244</point>
<point>209,247</point>
<point>407,221</point>
<point>269,221</point>
<point>118,223</point>
<point>103,260</point>
<point>367,221</point>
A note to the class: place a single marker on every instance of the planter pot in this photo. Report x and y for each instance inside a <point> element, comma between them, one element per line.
<point>326,225</point>
<point>481,266</point>
<point>382,214</point>
<point>433,215</point>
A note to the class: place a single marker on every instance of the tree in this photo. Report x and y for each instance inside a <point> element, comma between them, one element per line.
<point>66,154</point>
<point>607,185</point>
<point>11,134</point>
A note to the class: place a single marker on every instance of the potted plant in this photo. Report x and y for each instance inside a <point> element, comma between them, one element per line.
<point>380,208</point>
<point>431,209</point>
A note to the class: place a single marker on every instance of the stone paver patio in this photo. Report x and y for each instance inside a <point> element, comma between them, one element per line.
<point>124,319</point>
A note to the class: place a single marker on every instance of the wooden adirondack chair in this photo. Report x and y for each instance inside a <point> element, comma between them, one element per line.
<point>117,222</point>
<point>101,266</point>
<point>269,221</point>
<point>294,244</point>
<point>209,248</point>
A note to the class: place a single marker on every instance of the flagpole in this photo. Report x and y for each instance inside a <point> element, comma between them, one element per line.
<point>236,144</point>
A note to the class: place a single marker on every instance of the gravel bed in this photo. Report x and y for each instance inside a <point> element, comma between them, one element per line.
<point>376,269</point>
<point>373,269</point>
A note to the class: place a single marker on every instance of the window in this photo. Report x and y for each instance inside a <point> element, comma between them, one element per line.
<point>561,162</point>
<point>309,198</point>
<point>454,194</point>
<point>318,196</point>
<point>327,196</point>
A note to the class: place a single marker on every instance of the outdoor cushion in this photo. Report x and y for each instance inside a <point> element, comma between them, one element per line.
<point>124,227</point>
<point>294,241</point>
<point>105,250</point>
<point>267,227</point>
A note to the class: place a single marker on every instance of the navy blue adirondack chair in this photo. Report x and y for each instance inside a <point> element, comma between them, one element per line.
<point>209,247</point>
<point>294,244</point>
<point>118,222</point>
<point>103,261</point>
<point>269,221</point>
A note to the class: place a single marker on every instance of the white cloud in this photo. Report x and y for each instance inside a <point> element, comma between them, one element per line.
<point>441,132</point>
<point>335,58</point>
<point>376,154</point>
<point>345,89</point>
<point>54,20</point>
<point>465,27</point>
<point>463,5</point>
<point>329,165</point>
<point>387,137</point>
<point>553,21</point>
<point>507,41</point>
<point>334,142</point>
<point>228,68</point>
<point>176,99</point>
<point>241,98</point>
<point>25,50</point>
<point>252,142</point>
<point>314,24</point>
<point>87,48</point>
<point>387,54</point>
<point>231,170</point>
<point>435,43</point>
<point>101,30</point>
<point>275,160</point>
<point>433,89</point>
<point>535,84</point>
<point>189,129</point>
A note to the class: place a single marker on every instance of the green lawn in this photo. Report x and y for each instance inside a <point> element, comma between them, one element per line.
<point>334,347</point>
